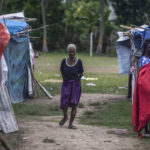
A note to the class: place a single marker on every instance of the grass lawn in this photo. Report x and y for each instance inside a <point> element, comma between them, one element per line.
<point>102,67</point>
<point>116,114</point>
<point>113,115</point>
<point>47,67</point>
<point>23,109</point>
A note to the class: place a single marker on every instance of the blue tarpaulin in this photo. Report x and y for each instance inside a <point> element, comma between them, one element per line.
<point>14,26</point>
<point>17,57</point>
<point>139,37</point>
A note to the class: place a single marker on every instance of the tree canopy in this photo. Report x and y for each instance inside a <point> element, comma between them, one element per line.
<point>73,20</point>
<point>131,11</point>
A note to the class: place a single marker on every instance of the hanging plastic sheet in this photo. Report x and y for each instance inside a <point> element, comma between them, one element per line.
<point>14,26</point>
<point>17,57</point>
<point>123,52</point>
<point>7,118</point>
<point>140,36</point>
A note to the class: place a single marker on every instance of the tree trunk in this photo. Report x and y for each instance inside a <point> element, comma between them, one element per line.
<point>1,6</point>
<point>44,49</point>
<point>101,30</point>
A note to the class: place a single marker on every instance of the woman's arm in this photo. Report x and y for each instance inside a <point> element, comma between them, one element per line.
<point>81,70</point>
<point>80,75</point>
<point>62,68</point>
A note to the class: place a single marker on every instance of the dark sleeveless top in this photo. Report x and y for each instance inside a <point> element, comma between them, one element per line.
<point>71,72</point>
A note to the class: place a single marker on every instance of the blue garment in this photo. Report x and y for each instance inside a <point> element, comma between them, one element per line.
<point>139,37</point>
<point>123,52</point>
<point>143,61</point>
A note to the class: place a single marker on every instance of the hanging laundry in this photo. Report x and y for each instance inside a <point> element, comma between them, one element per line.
<point>123,52</point>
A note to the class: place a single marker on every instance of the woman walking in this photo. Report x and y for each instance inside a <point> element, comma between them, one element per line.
<point>72,70</point>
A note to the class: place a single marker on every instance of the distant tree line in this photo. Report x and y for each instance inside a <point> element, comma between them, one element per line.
<point>131,11</point>
<point>73,20</point>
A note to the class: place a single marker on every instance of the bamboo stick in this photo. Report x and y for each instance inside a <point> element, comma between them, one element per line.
<point>133,26</point>
<point>125,27</point>
<point>28,31</point>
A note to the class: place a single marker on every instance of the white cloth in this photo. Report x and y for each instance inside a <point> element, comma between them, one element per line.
<point>122,37</point>
<point>4,70</point>
<point>31,54</point>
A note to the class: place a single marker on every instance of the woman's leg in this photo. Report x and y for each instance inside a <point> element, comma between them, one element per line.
<point>73,114</point>
<point>65,113</point>
<point>65,118</point>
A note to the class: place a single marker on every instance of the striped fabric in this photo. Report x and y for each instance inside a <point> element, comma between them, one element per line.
<point>7,119</point>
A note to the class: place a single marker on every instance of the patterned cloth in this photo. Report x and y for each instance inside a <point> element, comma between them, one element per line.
<point>70,93</point>
<point>143,61</point>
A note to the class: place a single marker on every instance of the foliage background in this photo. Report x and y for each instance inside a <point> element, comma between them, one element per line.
<point>73,20</point>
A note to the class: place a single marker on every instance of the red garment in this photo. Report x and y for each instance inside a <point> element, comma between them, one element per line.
<point>4,38</point>
<point>141,99</point>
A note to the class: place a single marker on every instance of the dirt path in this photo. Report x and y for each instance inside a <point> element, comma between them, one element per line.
<point>44,133</point>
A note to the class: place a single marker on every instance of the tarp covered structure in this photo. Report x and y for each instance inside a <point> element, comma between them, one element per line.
<point>17,58</point>
<point>130,48</point>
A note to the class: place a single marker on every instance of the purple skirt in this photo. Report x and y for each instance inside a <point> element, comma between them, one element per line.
<point>70,93</point>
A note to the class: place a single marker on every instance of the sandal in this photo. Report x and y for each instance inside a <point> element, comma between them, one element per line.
<point>62,122</point>
<point>72,127</point>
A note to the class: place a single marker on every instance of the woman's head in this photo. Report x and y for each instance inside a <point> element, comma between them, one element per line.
<point>147,48</point>
<point>71,48</point>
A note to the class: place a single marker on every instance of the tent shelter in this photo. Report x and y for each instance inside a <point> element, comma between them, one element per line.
<point>17,56</point>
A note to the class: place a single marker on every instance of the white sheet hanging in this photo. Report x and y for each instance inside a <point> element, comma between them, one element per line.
<point>4,70</point>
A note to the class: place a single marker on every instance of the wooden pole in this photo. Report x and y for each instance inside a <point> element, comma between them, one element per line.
<point>91,43</point>
<point>129,86</point>
<point>45,48</point>
<point>101,29</point>
<point>133,26</point>
<point>125,27</point>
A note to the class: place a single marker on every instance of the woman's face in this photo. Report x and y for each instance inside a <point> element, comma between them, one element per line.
<point>71,52</point>
<point>148,49</point>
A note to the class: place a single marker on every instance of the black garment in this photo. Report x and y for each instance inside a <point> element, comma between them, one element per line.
<point>71,72</point>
